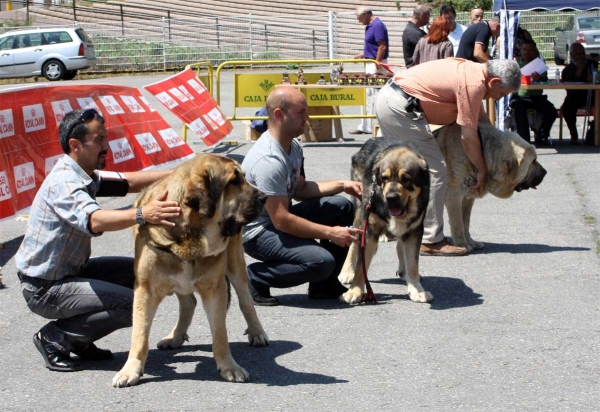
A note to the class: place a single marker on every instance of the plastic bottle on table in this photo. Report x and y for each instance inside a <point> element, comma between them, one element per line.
<point>557,76</point>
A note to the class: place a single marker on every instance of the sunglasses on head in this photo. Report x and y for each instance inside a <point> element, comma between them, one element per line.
<point>86,116</point>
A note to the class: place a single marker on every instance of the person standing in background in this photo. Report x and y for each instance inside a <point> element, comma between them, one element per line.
<point>435,45</point>
<point>412,32</point>
<point>376,47</point>
<point>456,29</point>
<point>474,42</point>
<point>476,16</point>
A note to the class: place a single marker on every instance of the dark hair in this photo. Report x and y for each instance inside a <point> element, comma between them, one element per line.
<point>447,8</point>
<point>439,30</point>
<point>529,41</point>
<point>73,126</point>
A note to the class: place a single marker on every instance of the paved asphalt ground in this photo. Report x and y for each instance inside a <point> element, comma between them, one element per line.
<point>514,327</point>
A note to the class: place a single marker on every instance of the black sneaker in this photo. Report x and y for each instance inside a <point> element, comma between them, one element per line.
<point>261,296</point>
<point>330,292</point>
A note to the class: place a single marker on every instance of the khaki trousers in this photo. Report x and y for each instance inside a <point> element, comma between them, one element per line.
<point>413,127</point>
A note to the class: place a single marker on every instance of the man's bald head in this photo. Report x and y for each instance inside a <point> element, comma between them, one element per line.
<point>283,98</point>
<point>288,113</point>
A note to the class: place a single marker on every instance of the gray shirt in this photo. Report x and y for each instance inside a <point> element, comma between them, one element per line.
<point>273,171</point>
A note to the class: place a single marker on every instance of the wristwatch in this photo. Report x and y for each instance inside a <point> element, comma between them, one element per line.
<point>139,218</point>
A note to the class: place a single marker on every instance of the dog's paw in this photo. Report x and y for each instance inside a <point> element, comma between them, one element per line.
<point>385,238</point>
<point>421,297</point>
<point>346,277</point>
<point>464,244</point>
<point>352,297</point>
<point>234,373</point>
<point>130,374</point>
<point>169,342</point>
<point>258,338</point>
<point>475,245</point>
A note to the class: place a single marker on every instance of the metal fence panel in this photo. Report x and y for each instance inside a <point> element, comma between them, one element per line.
<point>165,44</point>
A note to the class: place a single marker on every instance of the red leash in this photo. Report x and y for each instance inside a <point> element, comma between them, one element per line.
<point>387,66</point>
<point>369,296</point>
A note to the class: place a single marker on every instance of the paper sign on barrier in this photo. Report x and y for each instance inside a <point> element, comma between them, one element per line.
<point>188,99</point>
<point>138,136</point>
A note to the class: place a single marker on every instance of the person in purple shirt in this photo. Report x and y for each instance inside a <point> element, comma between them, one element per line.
<point>377,48</point>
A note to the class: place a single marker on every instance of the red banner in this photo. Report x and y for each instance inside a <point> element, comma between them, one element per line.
<point>139,138</point>
<point>187,97</point>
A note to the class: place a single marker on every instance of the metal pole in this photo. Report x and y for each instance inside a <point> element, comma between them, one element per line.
<point>122,20</point>
<point>266,38</point>
<point>314,46</point>
<point>164,47</point>
<point>218,40</point>
<point>169,17</point>
<point>250,28</point>
<point>74,11</point>
<point>330,34</point>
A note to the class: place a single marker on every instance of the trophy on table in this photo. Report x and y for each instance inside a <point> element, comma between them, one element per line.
<point>286,78</point>
<point>336,72</point>
<point>301,76</point>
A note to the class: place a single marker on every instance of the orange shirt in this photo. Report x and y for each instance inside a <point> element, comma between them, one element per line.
<point>449,90</point>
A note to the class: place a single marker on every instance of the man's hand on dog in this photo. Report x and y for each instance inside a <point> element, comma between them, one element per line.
<point>158,211</point>
<point>480,185</point>
<point>353,188</point>
<point>344,236</point>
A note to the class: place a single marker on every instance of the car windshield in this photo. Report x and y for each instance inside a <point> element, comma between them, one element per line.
<point>589,22</point>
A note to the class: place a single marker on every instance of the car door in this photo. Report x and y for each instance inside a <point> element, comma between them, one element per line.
<point>28,53</point>
<point>7,60</point>
<point>570,32</point>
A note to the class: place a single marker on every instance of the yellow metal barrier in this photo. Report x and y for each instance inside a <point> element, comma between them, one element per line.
<point>252,89</point>
<point>207,79</point>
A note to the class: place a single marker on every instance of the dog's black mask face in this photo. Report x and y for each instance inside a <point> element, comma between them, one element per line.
<point>399,179</point>
<point>534,177</point>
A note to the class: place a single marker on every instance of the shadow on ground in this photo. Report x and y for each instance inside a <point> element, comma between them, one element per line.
<point>526,248</point>
<point>260,363</point>
<point>449,293</point>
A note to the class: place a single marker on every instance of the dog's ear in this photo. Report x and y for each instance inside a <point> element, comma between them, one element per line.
<point>377,174</point>
<point>204,192</point>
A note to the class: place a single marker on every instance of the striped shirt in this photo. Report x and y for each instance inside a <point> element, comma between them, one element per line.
<point>449,90</point>
<point>57,240</point>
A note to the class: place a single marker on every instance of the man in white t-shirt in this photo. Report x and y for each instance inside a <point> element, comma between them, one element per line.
<point>448,12</point>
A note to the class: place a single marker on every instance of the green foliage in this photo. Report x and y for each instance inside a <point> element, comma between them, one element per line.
<point>461,5</point>
<point>16,22</point>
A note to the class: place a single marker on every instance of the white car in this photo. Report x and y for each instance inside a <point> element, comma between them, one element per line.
<point>55,53</point>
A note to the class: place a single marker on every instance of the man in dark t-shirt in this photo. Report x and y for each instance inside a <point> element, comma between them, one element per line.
<point>412,32</point>
<point>474,41</point>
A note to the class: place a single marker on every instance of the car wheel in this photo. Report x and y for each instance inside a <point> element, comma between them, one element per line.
<point>53,70</point>
<point>70,74</point>
<point>558,60</point>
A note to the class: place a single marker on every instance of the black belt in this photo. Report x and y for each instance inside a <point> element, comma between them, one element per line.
<point>412,102</point>
<point>37,282</point>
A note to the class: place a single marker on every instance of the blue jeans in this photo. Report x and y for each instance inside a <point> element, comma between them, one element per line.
<point>287,261</point>
<point>87,307</point>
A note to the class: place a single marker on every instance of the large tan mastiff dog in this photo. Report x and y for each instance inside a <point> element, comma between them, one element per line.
<point>199,254</point>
